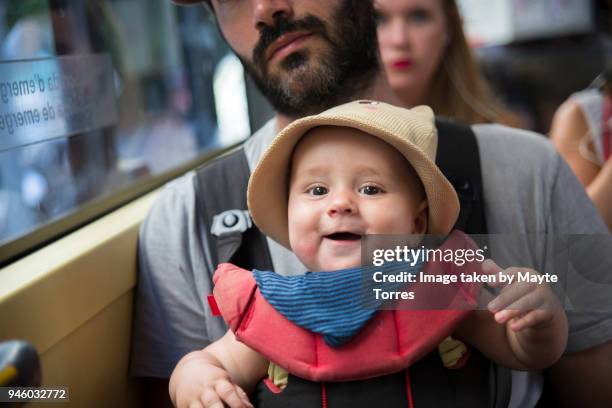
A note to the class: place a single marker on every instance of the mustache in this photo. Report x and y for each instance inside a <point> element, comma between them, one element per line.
<point>282,26</point>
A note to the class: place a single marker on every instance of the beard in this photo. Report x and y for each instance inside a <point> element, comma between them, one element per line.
<point>308,82</point>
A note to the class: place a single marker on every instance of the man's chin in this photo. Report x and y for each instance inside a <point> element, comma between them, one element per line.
<point>295,85</point>
<point>294,74</point>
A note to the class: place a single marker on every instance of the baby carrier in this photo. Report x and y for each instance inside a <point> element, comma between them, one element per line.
<point>221,200</point>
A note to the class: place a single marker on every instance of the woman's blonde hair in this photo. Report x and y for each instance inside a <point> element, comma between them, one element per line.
<point>458,89</point>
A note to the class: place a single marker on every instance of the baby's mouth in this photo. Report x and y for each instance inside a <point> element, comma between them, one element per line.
<point>343,236</point>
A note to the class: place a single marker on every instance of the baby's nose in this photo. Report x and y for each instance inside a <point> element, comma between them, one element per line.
<point>342,203</point>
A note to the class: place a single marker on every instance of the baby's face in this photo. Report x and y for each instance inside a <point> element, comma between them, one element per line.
<point>345,184</point>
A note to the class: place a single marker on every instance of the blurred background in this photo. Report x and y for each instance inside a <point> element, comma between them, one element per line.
<point>173,93</point>
<point>535,53</point>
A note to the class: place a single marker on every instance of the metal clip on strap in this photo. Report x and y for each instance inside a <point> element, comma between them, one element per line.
<point>228,227</point>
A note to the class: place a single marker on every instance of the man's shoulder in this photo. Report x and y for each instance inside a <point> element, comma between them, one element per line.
<point>519,169</point>
<point>176,203</point>
<point>171,209</point>
<point>505,146</point>
<point>177,193</point>
<point>178,197</point>
<point>255,146</point>
<point>528,187</point>
<point>512,138</point>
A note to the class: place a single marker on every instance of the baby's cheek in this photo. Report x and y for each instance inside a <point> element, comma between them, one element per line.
<point>306,251</point>
<point>399,225</point>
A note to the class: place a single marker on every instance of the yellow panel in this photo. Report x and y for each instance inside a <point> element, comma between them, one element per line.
<point>93,361</point>
<point>73,301</point>
<point>47,295</point>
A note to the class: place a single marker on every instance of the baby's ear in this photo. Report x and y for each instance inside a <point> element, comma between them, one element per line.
<point>421,218</point>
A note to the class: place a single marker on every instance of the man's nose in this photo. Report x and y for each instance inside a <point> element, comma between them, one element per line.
<point>342,203</point>
<point>266,11</point>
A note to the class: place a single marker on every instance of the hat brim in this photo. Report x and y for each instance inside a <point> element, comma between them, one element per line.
<point>267,193</point>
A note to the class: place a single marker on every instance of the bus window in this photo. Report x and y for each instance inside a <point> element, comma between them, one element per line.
<point>101,100</point>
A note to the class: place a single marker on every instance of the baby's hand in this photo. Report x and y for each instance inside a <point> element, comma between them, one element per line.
<point>198,383</point>
<point>529,329</point>
<point>522,305</point>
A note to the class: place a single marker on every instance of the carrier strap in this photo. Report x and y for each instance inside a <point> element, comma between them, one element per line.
<point>459,160</point>
<point>221,202</point>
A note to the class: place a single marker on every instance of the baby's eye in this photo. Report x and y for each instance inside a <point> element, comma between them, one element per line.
<point>317,190</point>
<point>370,190</point>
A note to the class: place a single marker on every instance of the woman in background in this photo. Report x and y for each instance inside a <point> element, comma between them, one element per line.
<point>582,133</point>
<point>428,61</point>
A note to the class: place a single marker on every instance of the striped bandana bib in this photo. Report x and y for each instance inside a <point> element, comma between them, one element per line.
<point>334,304</point>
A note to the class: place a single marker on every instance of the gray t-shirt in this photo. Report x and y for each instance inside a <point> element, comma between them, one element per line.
<point>528,190</point>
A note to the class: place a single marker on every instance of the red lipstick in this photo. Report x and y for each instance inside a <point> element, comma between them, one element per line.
<point>402,64</point>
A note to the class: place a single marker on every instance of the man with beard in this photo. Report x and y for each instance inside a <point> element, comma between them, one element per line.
<point>307,56</point>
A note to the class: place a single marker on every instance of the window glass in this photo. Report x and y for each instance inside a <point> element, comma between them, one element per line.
<point>98,95</point>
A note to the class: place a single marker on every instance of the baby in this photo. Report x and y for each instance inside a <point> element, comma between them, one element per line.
<point>327,181</point>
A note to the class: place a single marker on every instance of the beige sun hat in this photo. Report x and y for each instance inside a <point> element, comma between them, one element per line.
<point>411,131</point>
